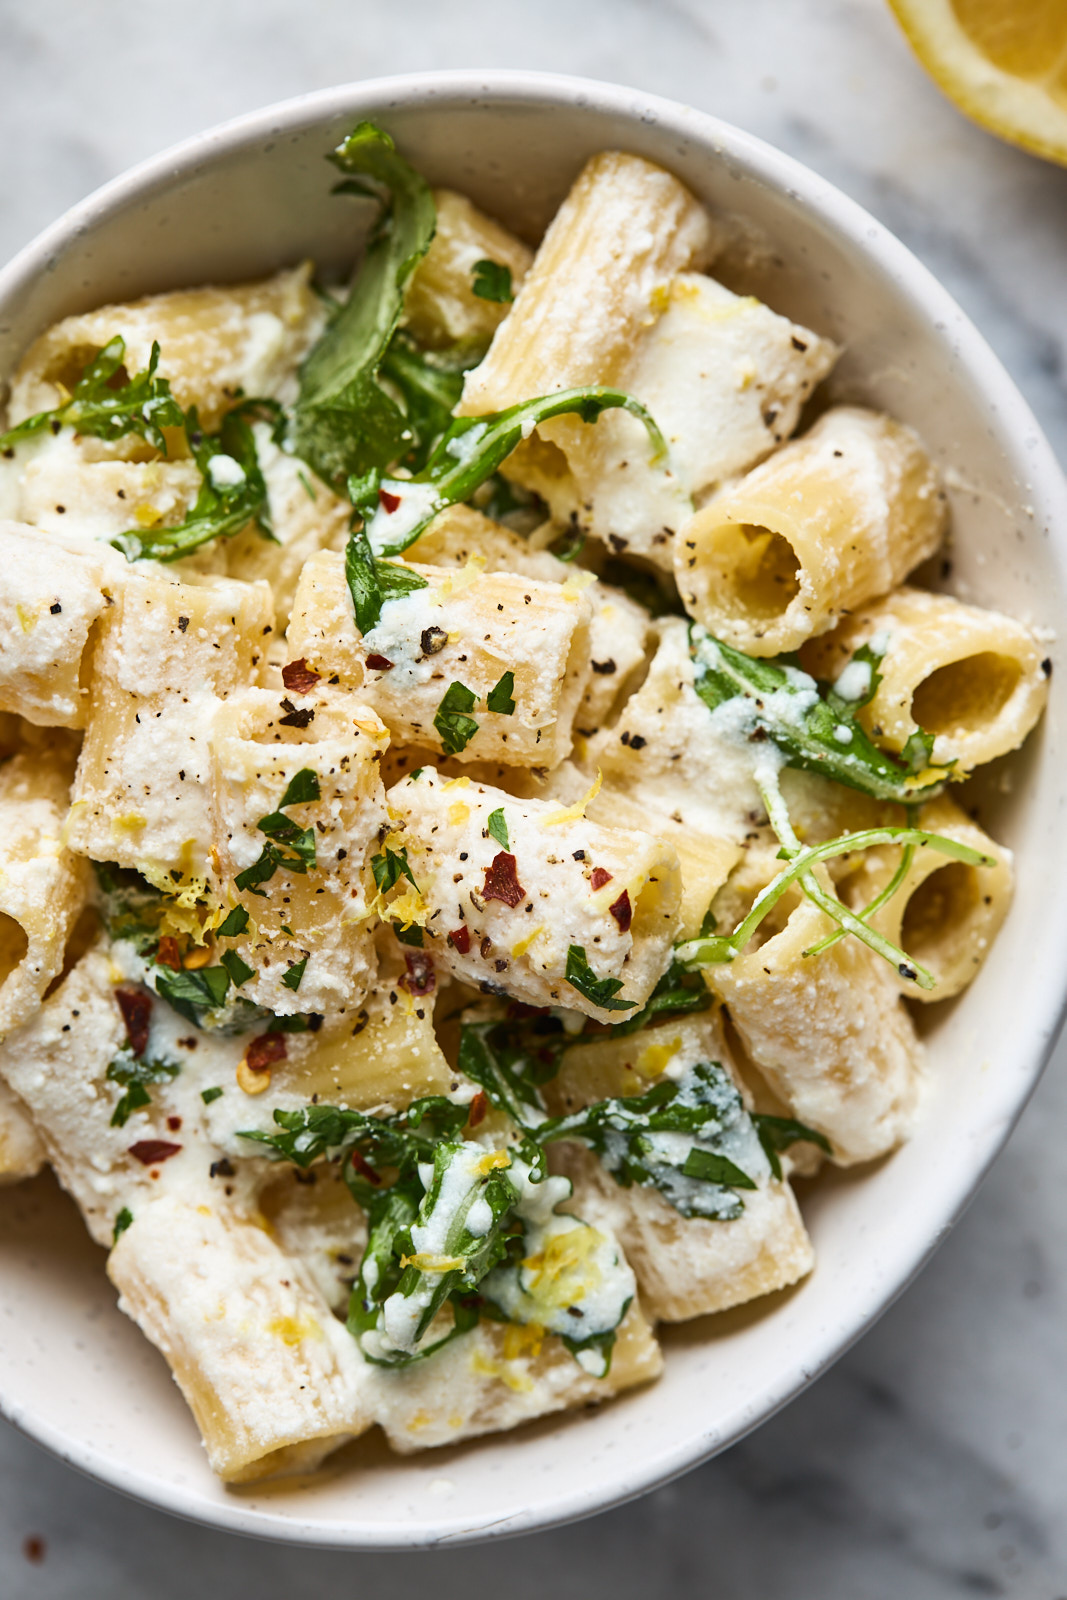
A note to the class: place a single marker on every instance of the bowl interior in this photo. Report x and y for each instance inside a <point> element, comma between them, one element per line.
<point>256,196</point>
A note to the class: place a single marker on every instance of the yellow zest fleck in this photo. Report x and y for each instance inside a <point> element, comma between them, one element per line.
<point>203,1211</point>
<point>252,1082</point>
<point>523,1339</point>
<point>523,945</point>
<point>576,582</point>
<point>491,1161</point>
<point>455,783</point>
<point>294,1330</point>
<point>425,1261</point>
<point>576,812</point>
<point>518,1382</point>
<point>27,618</point>
<point>421,1419</point>
<point>654,1061</point>
<point>564,1272</point>
<point>409,907</point>
<point>455,582</point>
<point>130,822</point>
<point>660,298</point>
<point>458,814</point>
<point>147,516</point>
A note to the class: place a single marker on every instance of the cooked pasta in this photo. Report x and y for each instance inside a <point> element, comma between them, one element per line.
<point>439,913</point>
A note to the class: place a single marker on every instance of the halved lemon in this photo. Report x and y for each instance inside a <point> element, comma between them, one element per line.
<point>1003,62</point>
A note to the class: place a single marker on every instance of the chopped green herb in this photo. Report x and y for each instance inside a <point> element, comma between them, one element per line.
<point>134,1075</point>
<point>678,993</point>
<point>106,407</point>
<point>498,828</point>
<point>778,1133</point>
<point>601,991</point>
<point>491,280</point>
<point>208,1095</point>
<point>499,698</point>
<point>239,970</point>
<point>370,582</point>
<point>192,994</point>
<point>568,545</point>
<point>234,923</point>
<point>411,935</point>
<point>122,1222</point>
<point>389,867</point>
<point>288,846</point>
<point>301,790</point>
<point>292,977</point>
<point>455,728</point>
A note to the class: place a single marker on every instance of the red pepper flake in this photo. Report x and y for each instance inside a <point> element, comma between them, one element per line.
<point>299,677</point>
<point>136,1008</point>
<point>502,881</point>
<point>263,1050</point>
<point>174,1123</point>
<point>420,978</point>
<point>379,663</point>
<point>460,939</point>
<point>622,912</point>
<point>168,954</point>
<point>151,1151</point>
<point>479,1107</point>
<point>598,878</point>
<point>364,1168</point>
<point>33,1548</point>
<point>387,501</point>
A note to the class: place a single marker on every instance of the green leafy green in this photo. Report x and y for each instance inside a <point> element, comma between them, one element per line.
<point>122,1222</point>
<point>814,728</point>
<point>779,1133</point>
<point>344,421</point>
<point>107,404</point>
<point>401,1140</point>
<point>389,867</point>
<point>601,991</point>
<point>233,924</point>
<point>232,494</point>
<point>678,993</point>
<point>491,280</point>
<point>292,977</point>
<point>208,1095</point>
<point>239,970</point>
<point>497,828</point>
<point>371,582</point>
<point>511,1060</point>
<point>134,1075</point>
<point>470,452</point>
<point>499,698</point>
<point>302,789</point>
<point>192,994</point>
<point>430,384</point>
<point>454,726</point>
<point>130,906</point>
<point>288,846</point>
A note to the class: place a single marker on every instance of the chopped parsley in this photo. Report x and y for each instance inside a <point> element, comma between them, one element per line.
<point>233,924</point>
<point>292,977</point>
<point>239,970</point>
<point>208,1095</point>
<point>389,867</point>
<point>499,698</point>
<point>134,1075</point>
<point>491,280</point>
<point>498,829</point>
<point>451,721</point>
<point>288,846</point>
<point>122,1222</point>
<point>601,991</point>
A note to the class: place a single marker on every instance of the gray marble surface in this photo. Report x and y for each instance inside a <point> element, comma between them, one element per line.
<point>931,1462</point>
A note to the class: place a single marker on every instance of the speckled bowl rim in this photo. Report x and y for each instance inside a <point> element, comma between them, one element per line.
<point>856,228</point>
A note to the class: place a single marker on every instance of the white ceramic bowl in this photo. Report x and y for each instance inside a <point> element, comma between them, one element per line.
<point>253,196</point>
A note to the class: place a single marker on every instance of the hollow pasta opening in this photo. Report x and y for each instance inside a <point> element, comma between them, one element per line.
<point>14,945</point>
<point>937,915</point>
<point>756,572</point>
<point>965,695</point>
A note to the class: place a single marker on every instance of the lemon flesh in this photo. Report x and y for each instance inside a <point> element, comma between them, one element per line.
<point>1003,62</point>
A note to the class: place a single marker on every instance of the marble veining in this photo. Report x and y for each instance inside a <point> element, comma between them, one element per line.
<point>929,1462</point>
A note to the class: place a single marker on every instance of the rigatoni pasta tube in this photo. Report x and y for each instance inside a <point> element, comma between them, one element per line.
<point>441,308</point>
<point>685,1267</point>
<point>829,1033</point>
<point>21,1151</point>
<point>167,655</point>
<point>975,679</point>
<point>507,919</point>
<point>836,517</point>
<point>214,343</point>
<point>945,914</point>
<point>54,589</point>
<point>481,631</point>
<point>273,1379</point>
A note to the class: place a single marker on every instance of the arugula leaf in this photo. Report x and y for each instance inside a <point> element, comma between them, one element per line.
<point>510,1061</point>
<point>699,1181</point>
<point>430,384</point>
<point>491,280</point>
<point>499,698</point>
<point>105,406</point>
<point>233,924</point>
<point>122,1222</point>
<point>344,422</point>
<point>371,583</point>
<point>815,730</point>
<point>389,867</point>
<point>292,977</point>
<point>471,451</point>
<point>778,1133</point>
<point>601,991</point>
<point>232,495</point>
<point>497,828</point>
<point>130,906</point>
<point>134,1075</point>
<point>678,993</point>
<point>456,729</point>
<point>239,970</point>
<point>401,1140</point>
